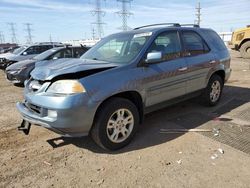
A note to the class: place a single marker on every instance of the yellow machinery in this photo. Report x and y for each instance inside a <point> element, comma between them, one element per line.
<point>241,41</point>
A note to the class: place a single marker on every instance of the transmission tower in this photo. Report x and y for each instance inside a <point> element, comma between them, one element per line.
<point>198,14</point>
<point>124,13</point>
<point>2,40</point>
<point>13,32</point>
<point>99,13</point>
<point>28,30</point>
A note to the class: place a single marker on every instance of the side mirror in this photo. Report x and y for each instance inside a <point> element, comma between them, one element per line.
<point>154,57</point>
<point>25,53</point>
<point>54,58</point>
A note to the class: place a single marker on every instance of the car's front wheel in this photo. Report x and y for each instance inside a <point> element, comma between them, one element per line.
<point>213,91</point>
<point>115,124</point>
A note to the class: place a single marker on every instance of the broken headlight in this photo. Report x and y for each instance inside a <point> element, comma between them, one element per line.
<point>66,87</point>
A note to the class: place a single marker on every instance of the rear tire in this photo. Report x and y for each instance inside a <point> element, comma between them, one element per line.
<point>115,124</point>
<point>213,91</point>
<point>245,50</point>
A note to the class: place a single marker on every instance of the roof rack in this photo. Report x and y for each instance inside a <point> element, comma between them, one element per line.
<point>194,25</point>
<point>170,24</point>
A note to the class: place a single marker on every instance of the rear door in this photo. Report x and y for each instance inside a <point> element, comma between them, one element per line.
<point>166,79</point>
<point>199,59</point>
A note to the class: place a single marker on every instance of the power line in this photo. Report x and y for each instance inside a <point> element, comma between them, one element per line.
<point>2,39</point>
<point>99,13</point>
<point>13,32</point>
<point>28,29</point>
<point>198,14</point>
<point>124,13</point>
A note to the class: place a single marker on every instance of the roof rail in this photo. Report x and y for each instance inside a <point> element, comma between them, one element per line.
<point>194,25</point>
<point>170,24</point>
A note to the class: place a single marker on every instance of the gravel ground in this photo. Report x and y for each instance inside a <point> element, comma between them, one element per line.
<point>153,159</point>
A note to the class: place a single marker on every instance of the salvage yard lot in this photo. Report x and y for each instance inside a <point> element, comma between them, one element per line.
<point>153,159</point>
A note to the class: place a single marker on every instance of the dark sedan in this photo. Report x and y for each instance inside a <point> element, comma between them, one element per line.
<point>19,72</point>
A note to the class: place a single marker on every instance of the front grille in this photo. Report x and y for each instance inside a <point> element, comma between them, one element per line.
<point>34,108</point>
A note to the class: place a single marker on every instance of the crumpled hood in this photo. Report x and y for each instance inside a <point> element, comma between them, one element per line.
<point>48,70</point>
<point>21,64</point>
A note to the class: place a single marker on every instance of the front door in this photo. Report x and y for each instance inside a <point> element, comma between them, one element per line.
<point>166,79</point>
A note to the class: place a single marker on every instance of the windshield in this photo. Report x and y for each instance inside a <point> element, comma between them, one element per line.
<point>18,50</point>
<point>45,54</point>
<point>119,48</point>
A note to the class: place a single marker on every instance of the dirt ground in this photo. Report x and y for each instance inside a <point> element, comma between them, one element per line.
<point>153,159</point>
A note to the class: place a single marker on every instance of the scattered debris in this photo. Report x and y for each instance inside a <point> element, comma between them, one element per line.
<point>214,156</point>
<point>100,182</point>
<point>216,119</point>
<point>216,132</point>
<point>168,163</point>
<point>184,130</point>
<point>179,161</point>
<point>47,163</point>
<point>139,157</point>
<point>180,152</point>
<point>221,151</point>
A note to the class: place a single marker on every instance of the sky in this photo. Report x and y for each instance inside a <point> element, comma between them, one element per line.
<point>71,19</point>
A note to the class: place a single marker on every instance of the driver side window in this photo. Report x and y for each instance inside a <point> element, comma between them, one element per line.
<point>168,44</point>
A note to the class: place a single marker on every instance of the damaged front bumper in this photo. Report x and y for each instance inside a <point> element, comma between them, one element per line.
<point>66,115</point>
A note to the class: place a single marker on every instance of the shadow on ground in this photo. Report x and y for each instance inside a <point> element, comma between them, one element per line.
<point>167,118</point>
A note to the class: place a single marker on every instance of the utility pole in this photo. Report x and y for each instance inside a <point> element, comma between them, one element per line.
<point>2,40</point>
<point>50,38</point>
<point>13,32</point>
<point>124,13</point>
<point>28,30</point>
<point>99,14</point>
<point>198,14</point>
<point>93,33</point>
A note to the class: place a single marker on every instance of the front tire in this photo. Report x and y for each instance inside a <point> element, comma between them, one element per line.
<point>115,124</point>
<point>213,91</point>
<point>245,50</point>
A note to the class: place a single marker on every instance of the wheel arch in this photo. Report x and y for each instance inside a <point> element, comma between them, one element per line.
<point>242,42</point>
<point>134,96</point>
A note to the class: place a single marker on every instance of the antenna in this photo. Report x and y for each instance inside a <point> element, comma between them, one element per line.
<point>2,40</point>
<point>29,36</point>
<point>13,32</point>
<point>99,14</point>
<point>124,13</point>
<point>198,14</point>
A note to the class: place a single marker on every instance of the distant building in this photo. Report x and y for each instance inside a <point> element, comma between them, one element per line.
<point>86,42</point>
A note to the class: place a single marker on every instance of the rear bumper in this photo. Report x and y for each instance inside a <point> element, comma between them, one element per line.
<point>227,74</point>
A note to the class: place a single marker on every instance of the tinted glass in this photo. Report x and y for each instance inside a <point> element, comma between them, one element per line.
<point>193,43</point>
<point>216,40</point>
<point>65,53</point>
<point>32,50</point>
<point>168,43</point>
<point>77,52</point>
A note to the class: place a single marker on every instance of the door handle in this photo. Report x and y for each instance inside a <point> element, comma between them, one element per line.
<point>212,62</point>
<point>182,69</point>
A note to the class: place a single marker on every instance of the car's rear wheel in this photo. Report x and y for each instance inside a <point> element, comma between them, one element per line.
<point>245,50</point>
<point>213,91</point>
<point>115,124</point>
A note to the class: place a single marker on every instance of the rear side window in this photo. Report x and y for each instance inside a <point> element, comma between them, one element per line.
<point>193,43</point>
<point>77,52</point>
<point>167,43</point>
<point>215,39</point>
